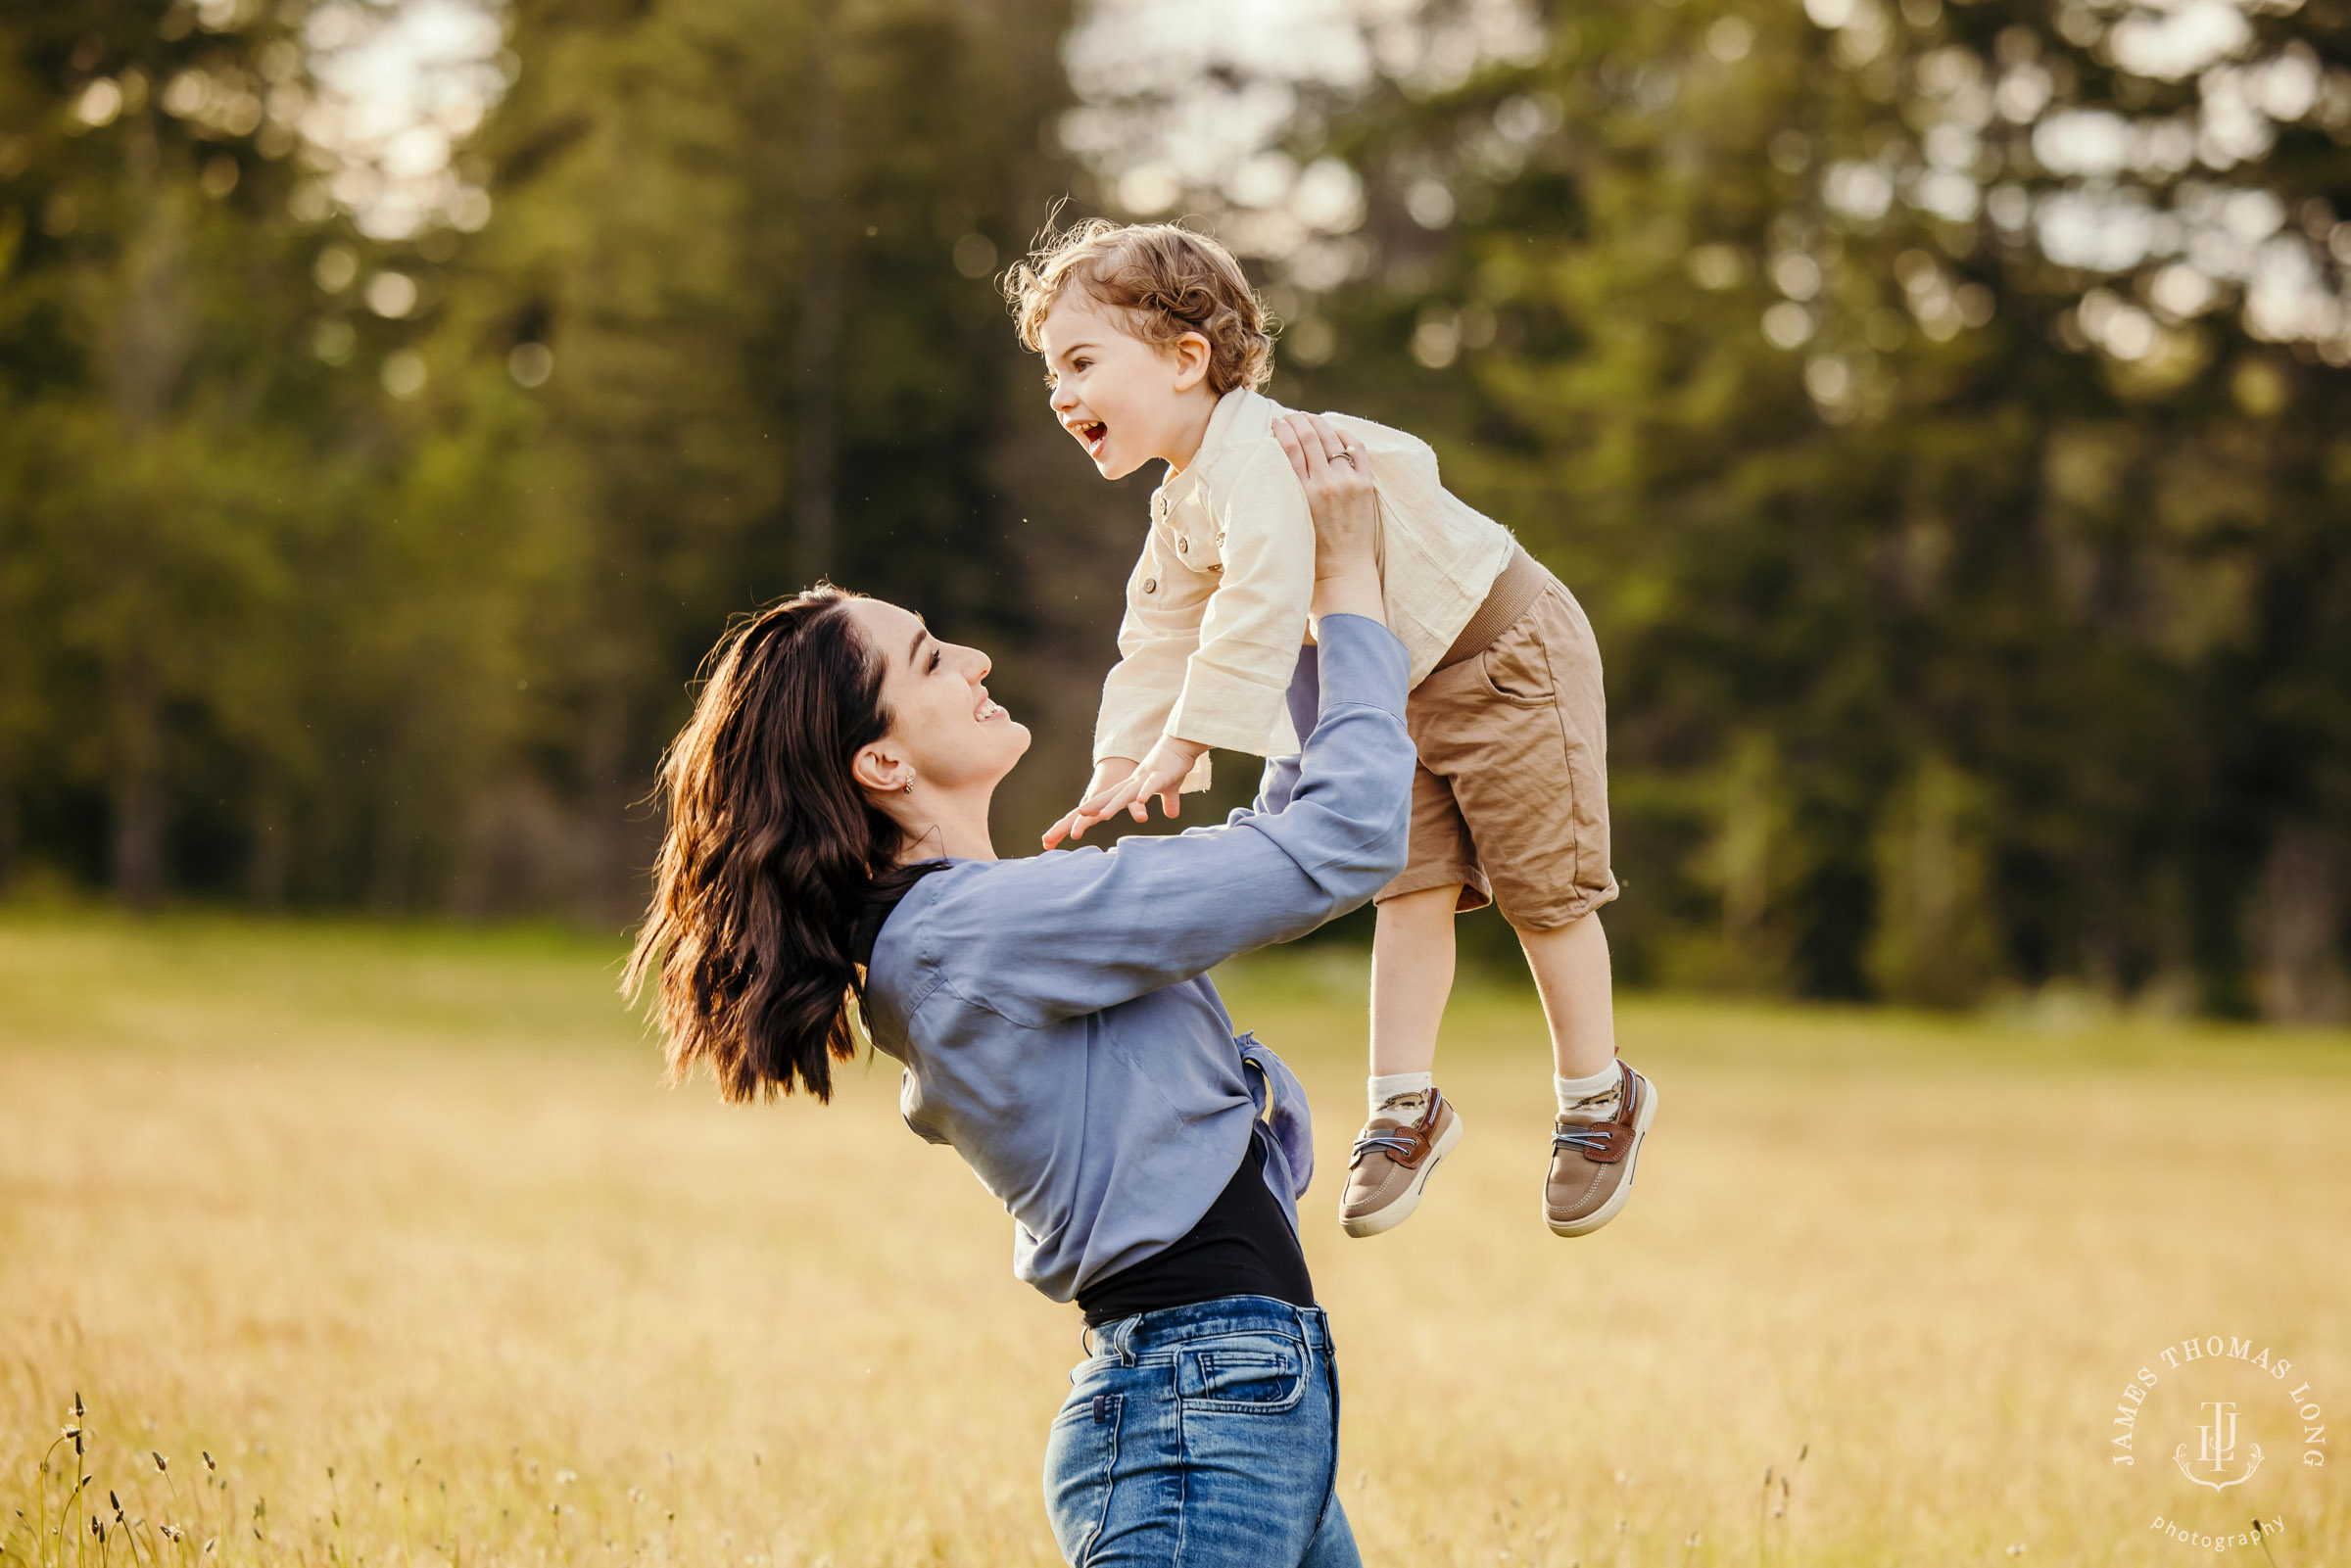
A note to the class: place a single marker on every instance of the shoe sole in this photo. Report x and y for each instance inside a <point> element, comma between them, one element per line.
<point>1397,1213</point>
<point>1624,1192</point>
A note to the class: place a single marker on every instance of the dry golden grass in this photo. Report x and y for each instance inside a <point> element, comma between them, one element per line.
<point>401,1227</point>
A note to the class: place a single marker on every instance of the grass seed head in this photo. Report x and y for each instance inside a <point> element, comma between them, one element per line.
<point>158,1462</point>
<point>208,1459</point>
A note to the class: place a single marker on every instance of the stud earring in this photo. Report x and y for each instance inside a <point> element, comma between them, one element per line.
<point>910,781</point>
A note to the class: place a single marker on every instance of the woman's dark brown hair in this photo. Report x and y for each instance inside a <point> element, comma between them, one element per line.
<point>772,851</point>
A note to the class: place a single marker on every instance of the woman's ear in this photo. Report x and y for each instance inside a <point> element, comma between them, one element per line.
<point>1192,356</point>
<point>876,769</point>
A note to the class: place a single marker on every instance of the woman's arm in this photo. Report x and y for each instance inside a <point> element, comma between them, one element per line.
<point>1276,579</point>
<point>1075,932</point>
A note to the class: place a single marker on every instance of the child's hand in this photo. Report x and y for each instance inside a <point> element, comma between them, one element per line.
<point>1161,773</point>
<point>1109,774</point>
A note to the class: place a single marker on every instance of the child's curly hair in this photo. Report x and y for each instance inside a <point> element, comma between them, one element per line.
<point>1166,280</point>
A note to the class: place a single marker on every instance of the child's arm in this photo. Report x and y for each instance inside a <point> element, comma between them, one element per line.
<point>1253,624</point>
<point>1156,633</point>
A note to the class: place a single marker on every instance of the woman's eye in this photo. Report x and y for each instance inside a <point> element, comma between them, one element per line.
<point>933,664</point>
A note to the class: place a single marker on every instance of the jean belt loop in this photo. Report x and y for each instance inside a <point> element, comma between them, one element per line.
<point>1121,1338</point>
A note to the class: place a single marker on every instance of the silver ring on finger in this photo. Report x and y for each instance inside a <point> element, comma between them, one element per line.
<point>1346,455</point>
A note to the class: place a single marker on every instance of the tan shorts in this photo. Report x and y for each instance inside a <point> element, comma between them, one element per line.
<point>1511,799</point>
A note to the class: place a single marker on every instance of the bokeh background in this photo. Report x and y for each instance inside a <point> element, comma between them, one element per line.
<point>1940,409</point>
<point>1943,409</point>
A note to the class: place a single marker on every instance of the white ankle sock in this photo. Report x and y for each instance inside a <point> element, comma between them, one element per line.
<point>1594,1097</point>
<point>1387,1086</point>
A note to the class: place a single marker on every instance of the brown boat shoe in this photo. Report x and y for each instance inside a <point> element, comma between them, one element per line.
<point>1592,1160</point>
<point>1392,1162</point>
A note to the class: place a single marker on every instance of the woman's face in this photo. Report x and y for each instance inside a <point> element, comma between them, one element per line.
<point>942,723</point>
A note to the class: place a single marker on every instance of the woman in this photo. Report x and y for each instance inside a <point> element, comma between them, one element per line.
<point>827,848</point>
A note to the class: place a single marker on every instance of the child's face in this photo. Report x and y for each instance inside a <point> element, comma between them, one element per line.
<point>1126,400</point>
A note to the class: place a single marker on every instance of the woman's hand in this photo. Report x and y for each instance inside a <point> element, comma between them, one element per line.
<point>1336,475</point>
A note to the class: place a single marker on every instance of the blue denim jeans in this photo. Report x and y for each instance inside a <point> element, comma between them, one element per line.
<point>1202,1435</point>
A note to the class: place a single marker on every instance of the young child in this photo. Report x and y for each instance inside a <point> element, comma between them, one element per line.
<point>1154,346</point>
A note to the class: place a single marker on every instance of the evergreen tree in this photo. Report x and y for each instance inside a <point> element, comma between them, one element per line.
<point>1958,497</point>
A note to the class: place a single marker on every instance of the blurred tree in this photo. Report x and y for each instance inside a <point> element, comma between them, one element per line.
<point>151,390</point>
<point>352,553</point>
<point>730,332</point>
<point>1940,406</point>
<point>1951,395</point>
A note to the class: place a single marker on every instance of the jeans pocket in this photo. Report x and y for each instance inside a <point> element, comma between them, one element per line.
<point>1082,1453</point>
<point>1262,1373</point>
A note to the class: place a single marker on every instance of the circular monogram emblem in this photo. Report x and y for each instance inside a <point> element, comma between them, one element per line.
<point>2220,1433</point>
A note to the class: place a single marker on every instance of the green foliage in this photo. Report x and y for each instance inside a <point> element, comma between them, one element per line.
<point>1934,531</point>
<point>1973,590</point>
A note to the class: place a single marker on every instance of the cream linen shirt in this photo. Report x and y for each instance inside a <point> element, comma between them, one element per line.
<point>1216,606</point>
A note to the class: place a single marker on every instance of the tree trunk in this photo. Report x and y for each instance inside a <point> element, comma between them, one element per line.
<point>395,851</point>
<point>815,439</point>
<point>608,886</point>
<point>138,787</point>
<point>2298,928</point>
<point>8,837</point>
<point>147,350</point>
<point>271,856</point>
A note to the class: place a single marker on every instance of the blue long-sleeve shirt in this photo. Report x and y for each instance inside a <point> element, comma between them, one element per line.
<point>1054,1014</point>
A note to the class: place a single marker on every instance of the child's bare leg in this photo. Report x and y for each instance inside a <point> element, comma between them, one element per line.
<point>1605,1108</point>
<point>1571,975</point>
<point>1411,1127</point>
<point>1412,974</point>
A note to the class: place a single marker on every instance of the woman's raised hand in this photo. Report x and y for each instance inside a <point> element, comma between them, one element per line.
<point>1336,475</point>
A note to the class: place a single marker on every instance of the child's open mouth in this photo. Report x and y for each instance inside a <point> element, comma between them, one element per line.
<point>1094,433</point>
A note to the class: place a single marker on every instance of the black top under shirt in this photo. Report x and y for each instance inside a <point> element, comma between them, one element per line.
<point>1244,1246</point>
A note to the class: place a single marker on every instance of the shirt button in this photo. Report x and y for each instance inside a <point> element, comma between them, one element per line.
<point>1150,585</point>
<point>1183,545</point>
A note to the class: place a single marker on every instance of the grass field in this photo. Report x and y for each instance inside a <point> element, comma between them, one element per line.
<point>401,1226</point>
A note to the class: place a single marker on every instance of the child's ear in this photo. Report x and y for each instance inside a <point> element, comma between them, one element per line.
<point>1192,354</point>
